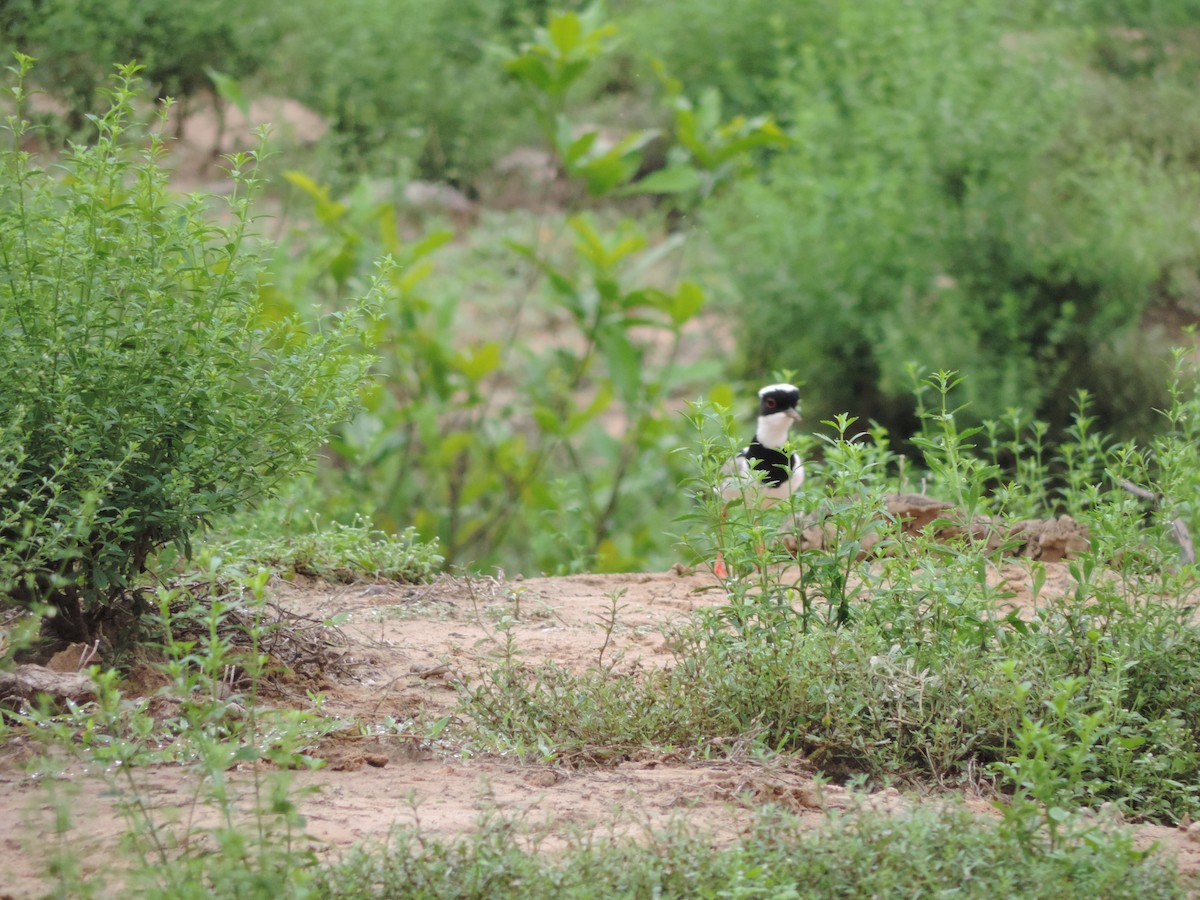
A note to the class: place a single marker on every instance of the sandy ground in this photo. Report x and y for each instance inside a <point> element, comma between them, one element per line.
<point>402,648</point>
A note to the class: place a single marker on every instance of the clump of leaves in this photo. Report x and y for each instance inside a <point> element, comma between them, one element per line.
<point>346,553</point>
<point>143,391</point>
<point>79,41</point>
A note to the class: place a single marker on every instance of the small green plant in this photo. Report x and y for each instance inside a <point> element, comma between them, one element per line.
<point>143,391</point>
<point>341,553</point>
<point>238,829</point>
<point>929,851</point>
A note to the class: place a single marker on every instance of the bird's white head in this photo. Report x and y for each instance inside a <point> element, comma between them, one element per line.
<point>778,408</point>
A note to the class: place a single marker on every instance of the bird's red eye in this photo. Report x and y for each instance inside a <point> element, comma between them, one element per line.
<point>770,402</point>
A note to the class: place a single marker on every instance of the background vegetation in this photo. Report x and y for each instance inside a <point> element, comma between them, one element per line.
<point>1006,190</point>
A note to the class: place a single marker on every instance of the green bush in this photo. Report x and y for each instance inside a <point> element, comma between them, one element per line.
<point>964,191</point>
<point>142,391</point>
<point>407,86</point>
<point>548,455</point>
<point>78,42</point>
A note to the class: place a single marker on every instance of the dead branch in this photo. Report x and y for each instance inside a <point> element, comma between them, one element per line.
<point>1187,550</point>
<point>29,681</point>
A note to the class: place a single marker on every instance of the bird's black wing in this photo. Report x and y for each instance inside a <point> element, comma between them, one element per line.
<point>775,465</point>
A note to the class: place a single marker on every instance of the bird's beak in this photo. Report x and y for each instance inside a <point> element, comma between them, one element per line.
<point>794,414</point>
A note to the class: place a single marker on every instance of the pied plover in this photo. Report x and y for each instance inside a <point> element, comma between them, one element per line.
<point>763,473</point>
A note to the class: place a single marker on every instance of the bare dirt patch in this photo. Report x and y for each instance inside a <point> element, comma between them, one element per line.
<point>401,649</point>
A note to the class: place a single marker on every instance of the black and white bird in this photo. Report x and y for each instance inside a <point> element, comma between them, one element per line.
<point>763,470</point>
<point>763,473</point>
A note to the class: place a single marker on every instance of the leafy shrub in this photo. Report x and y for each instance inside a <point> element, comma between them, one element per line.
<point>961,192</point>
<point>504,453</point>
<point>78,43</point>
<point>555,453</point>
<point>407,86</point>
<point>340,552</point>
<point>142,392</point>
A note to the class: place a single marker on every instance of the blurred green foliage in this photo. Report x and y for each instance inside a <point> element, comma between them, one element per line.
<point>957,192</point>
<point>408,86</point>
<point>555,454</point>
<point>77,43</point>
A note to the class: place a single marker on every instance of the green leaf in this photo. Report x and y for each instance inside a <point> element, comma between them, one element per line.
<point>606,173</point>
<point>480,362</point>
<point>439,237</point>
<point>577,148</point>
<point>568,74</point>
<point>548,420</point>
<point>230,89</point>
<point>624,362</point>
<point>565,30</point>
<point>686,302</point>
<point>328,211</point>
<point>678,179</point>
<point>533,71</point>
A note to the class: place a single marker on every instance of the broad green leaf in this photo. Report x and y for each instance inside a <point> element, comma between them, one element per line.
<point>437,238</point>
<point>678,179</point>
<point>408,277</point>
<point>608,288</point>
<point>589,245</point>
<point>568,74</point>
<point>230,89</point>
<point>606,173</point>
<point>328,211</point>
<point>316,191</point>
<point>480,361</point>
<point>686,302</point>
<point>564,30</point>
<point>578,148</point>
<point>687,134</point>
<point>531,70</point>
<point>624,361</point>
<point>548,420</point>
